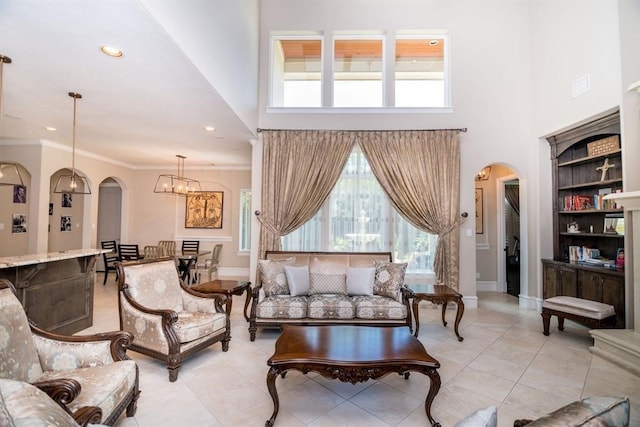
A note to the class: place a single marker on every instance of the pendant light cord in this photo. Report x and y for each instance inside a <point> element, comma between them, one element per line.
<point>75,97</point>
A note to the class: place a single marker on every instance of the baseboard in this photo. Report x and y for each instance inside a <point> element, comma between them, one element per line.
<point>470,302</point>
<point>531,303</point>
<point>487,286</point>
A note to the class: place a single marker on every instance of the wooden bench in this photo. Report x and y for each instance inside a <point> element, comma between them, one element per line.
<point>590,313</point>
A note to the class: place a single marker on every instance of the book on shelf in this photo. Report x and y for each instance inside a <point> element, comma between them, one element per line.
<point>578,202</point>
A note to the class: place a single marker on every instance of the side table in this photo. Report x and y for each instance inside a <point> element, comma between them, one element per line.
<point>228,288</point>
<point>437,294</point>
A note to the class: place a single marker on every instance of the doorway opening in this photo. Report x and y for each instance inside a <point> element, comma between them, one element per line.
<point>109,213</point>
<point>512,235</point>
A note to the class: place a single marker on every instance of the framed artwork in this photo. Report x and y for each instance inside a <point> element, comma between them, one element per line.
<point>67,200</point>
<point>614,225</point>
<point>19,194</point>
<point>65,223</point>
<point>204,210</point>
<point>479,213</point>
<point>19,223</point>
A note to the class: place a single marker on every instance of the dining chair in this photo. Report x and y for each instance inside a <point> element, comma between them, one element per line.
<point>169,247</point>
<point>190,246</point>
<point>129,252</point>
<point>109,258</point>
<point>153,251</point>
<point>210,265</point>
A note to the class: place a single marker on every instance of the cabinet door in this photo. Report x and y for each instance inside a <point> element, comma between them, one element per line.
<point>613,293</point>
<point>551,281</point>
<point>559,280</point>
<point>569,281</point>
<point>591,285</point>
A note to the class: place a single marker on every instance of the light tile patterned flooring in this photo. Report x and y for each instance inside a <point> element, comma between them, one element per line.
<point>504,360</point>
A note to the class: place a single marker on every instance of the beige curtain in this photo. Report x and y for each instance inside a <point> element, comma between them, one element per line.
<point>420,172</point>
<point>299,170</point>
<point>512,194</point>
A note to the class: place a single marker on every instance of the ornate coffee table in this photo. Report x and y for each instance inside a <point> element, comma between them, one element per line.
<point>228,288</point>
<point>351,354</point>
<point>437,294</point>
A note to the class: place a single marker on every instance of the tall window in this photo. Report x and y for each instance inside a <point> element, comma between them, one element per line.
<point>245,220</point>
<point>357,73</point>
<point>359,218</point>
<point>296,72</point>
<point>420,72</point>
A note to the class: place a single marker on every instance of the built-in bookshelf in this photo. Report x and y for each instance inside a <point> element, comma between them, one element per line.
<point>588,230</point>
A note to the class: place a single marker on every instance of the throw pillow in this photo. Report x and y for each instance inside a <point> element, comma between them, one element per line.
<point>389,279</point>
<point>360,281</point>
<point>273,276</point>
<point>487,417</point>
<point>592,411</point>
<point>297,279</point>
<point>327,284</point>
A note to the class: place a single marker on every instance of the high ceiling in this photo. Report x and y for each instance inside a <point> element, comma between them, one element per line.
<point>139,110</point>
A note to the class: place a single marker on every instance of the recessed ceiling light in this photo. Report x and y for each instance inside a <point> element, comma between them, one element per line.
<point>433,42</point>
<point>50,128</point>
<point>111,51</point>
<point>209,128</point>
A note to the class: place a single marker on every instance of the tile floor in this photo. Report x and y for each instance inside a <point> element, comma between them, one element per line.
<point>504,360</point>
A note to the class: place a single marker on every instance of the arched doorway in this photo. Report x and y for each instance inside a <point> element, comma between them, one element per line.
<point>109,213</point>
<point>498,230</point>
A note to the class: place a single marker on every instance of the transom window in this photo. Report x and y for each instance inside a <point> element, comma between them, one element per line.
<point>365,71</point>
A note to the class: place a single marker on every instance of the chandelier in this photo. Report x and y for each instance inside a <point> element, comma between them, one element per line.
<point>177,185</point>
<point>74,183</point>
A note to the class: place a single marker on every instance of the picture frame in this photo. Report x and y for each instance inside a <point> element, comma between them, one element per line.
<point>203,209</point>
<point>19,194</point>
<point>18,223</point>
<point>67,200</point>
<point>65,224</point>
<point>613,225</point>
<point>479,212</point>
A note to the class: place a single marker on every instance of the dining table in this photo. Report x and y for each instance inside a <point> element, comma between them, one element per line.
<point>186,262</point>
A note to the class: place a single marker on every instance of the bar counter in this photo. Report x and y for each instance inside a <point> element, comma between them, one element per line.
<point>56,288</point>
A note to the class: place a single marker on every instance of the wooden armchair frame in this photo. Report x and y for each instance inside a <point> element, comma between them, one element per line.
<point>64,390</point>
<point>176,354</point>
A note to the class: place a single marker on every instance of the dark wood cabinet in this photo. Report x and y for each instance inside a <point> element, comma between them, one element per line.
<point>586,165</point>
<point>58,294</point>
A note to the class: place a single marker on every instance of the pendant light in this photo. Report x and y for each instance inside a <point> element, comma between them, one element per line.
<point>177,185</point>
<point>9,171</point>
<point>74,183</point>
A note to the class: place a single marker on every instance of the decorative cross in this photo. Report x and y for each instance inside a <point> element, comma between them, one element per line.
<point>604,168</point>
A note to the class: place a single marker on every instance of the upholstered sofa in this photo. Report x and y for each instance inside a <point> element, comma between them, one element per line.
<point>320,288</point>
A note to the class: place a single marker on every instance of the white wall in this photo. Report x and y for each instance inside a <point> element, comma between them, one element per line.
<point>491,78</point>
<point>221,38</point>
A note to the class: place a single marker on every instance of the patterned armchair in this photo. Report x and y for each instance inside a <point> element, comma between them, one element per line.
<point>75,371</point>
<point>22,404</point>
<point>167,320</point>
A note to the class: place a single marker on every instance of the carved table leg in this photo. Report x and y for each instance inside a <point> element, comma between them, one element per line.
<point>444,310</point>
<point>416,315</point>
<point>271,386</point>
<point>434,387</point>
<point>459,314</point>
<point>246,303</point>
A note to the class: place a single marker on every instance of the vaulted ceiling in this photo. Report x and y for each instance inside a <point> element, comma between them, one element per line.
<point>138,110</point>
